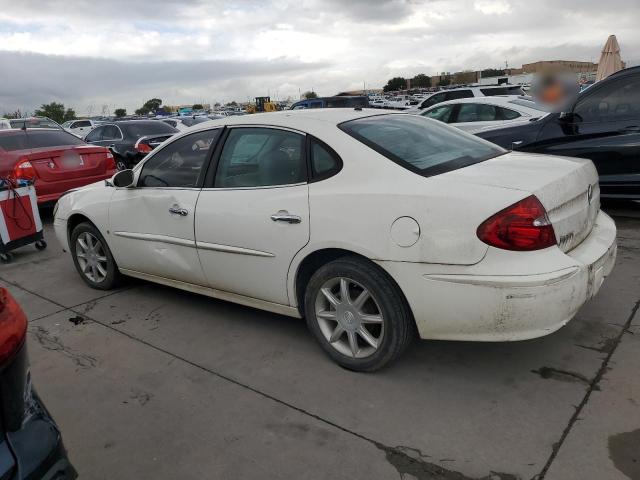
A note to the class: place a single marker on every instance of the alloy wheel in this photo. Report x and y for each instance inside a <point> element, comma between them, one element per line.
<point>349,317</point>
<point>92,257</point>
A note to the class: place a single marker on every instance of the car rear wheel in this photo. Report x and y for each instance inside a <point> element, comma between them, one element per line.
<point>92,257</point>
<point>358,314</point>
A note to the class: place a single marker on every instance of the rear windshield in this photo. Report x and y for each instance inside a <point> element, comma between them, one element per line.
<point>140,129</point>
<point>35,122</point>
<point>420,144</point>
<point>37,139</point>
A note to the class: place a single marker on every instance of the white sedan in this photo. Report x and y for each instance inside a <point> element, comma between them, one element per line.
<point>477,113</point>
<point>373,226</point>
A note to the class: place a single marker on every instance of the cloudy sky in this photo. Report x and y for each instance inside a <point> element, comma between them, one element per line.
<point>117,53</point>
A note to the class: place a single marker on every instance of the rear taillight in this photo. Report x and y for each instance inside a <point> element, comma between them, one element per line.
<point>24,170</point>
<point>522,226</point>
<point>13,326</point>
<point>143,147</point>
<point>111,162</point>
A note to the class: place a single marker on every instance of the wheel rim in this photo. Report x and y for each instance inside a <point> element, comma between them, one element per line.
<point>91,257</point>
<point>349,317</point>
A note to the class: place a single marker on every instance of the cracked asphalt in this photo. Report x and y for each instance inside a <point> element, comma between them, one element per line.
<point>147,382</point>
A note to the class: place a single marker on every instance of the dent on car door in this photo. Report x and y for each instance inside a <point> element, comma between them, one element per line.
<point>152,224</point>
<point>253,217</point>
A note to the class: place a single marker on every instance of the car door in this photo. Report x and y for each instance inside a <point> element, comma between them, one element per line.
<point>152,224</point>
<point>604,126</point>
<point>253,216</point>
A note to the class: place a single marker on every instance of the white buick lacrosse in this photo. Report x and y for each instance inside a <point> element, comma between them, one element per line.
<point>373,226</point>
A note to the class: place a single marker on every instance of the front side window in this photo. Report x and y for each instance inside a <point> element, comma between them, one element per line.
<point>475,112</point>
<point>432,100</point>
<point>180,163</point>
<point>618,100</point>
<point>442,113</point>
<point>420,144</point>
<point>258,157</point>
<point>111,132</point>
<point>95,135</point>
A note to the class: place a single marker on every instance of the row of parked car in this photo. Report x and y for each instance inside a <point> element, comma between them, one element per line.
<point>602,124</point>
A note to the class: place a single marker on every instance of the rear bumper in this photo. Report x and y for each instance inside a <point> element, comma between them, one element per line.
<point>51,192</point>
<point>469,303</point>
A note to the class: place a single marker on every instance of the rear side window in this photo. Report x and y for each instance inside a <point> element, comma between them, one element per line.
<point>432,100</point>
<point>259,157</point>
<point>419,144</point>
<point>111,132</point>
<point>476,112</point>
<point>491,92</point>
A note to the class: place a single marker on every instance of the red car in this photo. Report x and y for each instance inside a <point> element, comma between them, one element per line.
<point>58,161</point>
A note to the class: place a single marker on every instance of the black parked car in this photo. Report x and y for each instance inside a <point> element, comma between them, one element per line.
<point>602,124</point>
<point>30,443</point>
<point>130,140</point>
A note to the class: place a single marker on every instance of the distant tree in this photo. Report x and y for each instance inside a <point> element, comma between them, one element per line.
<point>396,83</point>
<point>197,106</point>
<point>309,94</point>
<point>491,72</point>
<point>150,106</point>
<point>15,114</point>
<point>120,112</point>
<point>55,111</point>
<point>69,114</point>
<point>421,80</point>
<point>232,104</point>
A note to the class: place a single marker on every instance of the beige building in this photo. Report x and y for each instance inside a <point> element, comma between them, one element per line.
<point>572,66</point>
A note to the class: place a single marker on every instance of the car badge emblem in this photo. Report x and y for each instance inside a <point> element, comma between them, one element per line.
<point>590,193</point>
<point>82,164</point>
<point>51,164</point>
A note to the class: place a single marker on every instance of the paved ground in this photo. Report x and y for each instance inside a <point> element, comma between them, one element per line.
<point>152,383</point>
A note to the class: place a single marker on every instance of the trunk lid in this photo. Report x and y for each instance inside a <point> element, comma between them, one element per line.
<point>567,188</point>
<point>69,162</point>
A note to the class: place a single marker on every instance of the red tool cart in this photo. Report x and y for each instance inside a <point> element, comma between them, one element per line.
<point>20,222</point>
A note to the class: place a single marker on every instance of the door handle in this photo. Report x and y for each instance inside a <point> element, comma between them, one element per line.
<point>178,211</point>
<point>284,216</point>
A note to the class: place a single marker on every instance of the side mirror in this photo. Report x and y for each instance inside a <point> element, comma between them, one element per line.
<point>123,179</point>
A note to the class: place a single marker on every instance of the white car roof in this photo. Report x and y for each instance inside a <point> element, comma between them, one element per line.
<point>320,122</point>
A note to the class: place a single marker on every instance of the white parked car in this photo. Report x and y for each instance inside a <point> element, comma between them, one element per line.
<point>4,124</point>
<point>473,114</point>
<point>465,92</point>
<point>374,227</point>
<point>80,128</point>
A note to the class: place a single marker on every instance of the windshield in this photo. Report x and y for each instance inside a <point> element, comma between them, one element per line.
<point>140,129</point>
<point>22,140</point>
<point>419,144</point>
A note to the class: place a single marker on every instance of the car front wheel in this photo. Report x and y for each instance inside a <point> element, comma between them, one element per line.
<point>92,257</point>
<point>358,314</point>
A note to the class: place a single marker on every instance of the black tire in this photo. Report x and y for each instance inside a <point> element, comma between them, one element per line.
<point>113,277</point>
<point>399,326</point>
